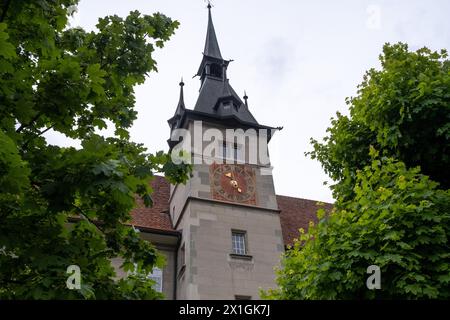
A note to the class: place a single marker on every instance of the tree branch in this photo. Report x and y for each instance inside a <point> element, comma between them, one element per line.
<point>85,217</point>
<point>38,135</point>
<point>44,131</point>
<point>23,126</point>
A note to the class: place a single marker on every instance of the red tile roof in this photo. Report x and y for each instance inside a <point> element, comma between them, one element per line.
<point>157,216</point>
<point>295,213</point>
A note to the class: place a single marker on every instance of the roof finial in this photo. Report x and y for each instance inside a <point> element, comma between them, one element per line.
<point>181,100</point>
<point>211,44</point>
<point>245,98</point>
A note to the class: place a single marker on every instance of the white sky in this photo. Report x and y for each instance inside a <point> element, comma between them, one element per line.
<point>297,60</point>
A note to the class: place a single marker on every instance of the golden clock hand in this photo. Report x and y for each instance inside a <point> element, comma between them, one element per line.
<point>234,178</point>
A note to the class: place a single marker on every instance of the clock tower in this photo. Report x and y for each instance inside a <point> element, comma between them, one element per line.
<point>227,212</point>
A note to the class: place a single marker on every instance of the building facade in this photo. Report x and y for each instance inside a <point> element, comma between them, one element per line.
<point>222,232</point>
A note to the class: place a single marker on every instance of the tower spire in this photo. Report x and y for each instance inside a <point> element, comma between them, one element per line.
<point>211,44</point>
<point>181,100</point>
<point>180,110</point>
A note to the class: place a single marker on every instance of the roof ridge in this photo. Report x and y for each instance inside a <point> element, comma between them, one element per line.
<point>280,195</point>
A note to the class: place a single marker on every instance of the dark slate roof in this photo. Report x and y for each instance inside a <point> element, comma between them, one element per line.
<point>216,90</point>
<point>211,44</point>
<point>295,213</point>
<point>210,93</point>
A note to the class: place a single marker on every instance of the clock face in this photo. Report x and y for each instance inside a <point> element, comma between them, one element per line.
<point>233,183</point>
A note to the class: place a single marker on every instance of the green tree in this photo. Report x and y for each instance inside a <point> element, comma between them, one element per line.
<point>390,161</point>
<point>403,110</point>
<point>73,81</point>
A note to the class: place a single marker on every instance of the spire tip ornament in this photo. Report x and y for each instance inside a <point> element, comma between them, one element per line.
<point>245,98</point>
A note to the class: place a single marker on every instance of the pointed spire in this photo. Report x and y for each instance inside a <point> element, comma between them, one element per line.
<point>180,110</point>
<point>211,44</point>
<point>181,100</point>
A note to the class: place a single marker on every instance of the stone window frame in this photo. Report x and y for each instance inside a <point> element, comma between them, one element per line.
<point>234,234</point>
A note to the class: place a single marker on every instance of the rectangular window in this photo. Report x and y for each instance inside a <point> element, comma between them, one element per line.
<point>157,276</point>
<point>232,151</point>
<point>227,105</point>
<point>239,156</point>
<point>239,242</point>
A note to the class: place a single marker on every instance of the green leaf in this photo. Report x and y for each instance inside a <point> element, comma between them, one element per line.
<point>63,206</point>
<point>7,50</point>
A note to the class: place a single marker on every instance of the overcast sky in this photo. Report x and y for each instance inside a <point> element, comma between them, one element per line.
<point>297,60</point>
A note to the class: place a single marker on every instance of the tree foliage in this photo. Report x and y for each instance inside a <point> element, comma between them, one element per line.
<point>403,110</point>
<point>390,161</point>
<point>398,220</point>
<point>74,82</point>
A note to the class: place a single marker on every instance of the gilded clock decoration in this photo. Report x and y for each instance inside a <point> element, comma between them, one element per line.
<point>233,183</point>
